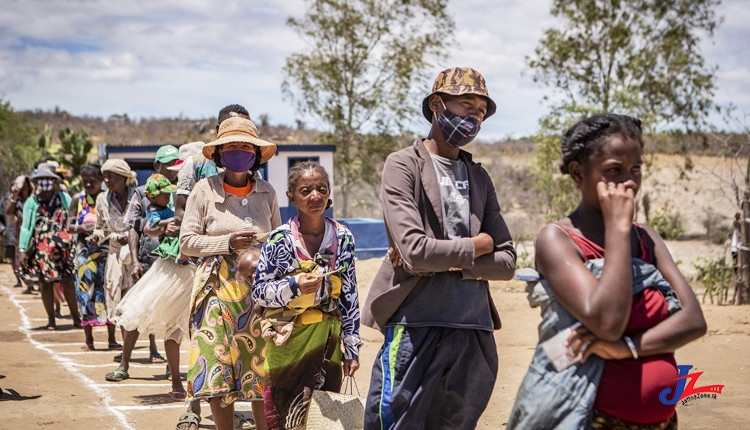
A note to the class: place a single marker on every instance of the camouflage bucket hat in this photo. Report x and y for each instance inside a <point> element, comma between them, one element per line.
<point>157,184</point>
<point>456,81</point>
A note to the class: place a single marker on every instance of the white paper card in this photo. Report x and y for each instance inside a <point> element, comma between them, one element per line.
<point>557,350</point>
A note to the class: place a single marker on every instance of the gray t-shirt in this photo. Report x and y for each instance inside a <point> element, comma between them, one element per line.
<point>454,191</point>
<point>449,301</point>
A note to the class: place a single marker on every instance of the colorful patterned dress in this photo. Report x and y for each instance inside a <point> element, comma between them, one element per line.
<point>226,347</point>
<point>49,250</point>
<point>89,265</point>
<point>311,358</point>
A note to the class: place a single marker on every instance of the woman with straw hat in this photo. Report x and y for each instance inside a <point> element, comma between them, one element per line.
<point>225,215</point>
<point>45,246</point>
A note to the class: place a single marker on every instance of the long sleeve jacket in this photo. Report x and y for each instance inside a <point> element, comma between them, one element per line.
<point>412,210</point>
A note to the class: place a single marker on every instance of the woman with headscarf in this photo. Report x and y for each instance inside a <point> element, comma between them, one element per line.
<point>224,215</point>
<point>44,245</point>
<point>89,259</point>
<point>116,212</point>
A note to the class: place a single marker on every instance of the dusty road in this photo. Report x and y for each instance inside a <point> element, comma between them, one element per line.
<point>49,383</point>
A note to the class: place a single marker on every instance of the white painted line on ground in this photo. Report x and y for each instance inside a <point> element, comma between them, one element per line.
<point>113,365</point>
<point>175,405</point>
<point>67,364</point>
<point>129,384</point>
<point>178,405</point>
<point>135,353</point>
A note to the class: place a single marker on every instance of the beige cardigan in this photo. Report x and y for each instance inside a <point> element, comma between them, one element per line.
<point>211,215</point>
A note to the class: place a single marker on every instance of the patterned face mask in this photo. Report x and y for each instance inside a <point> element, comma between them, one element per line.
<point>457,130</point>
<point>43,185</point>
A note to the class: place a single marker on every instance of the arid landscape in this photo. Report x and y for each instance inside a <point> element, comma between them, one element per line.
<point>49,383</point>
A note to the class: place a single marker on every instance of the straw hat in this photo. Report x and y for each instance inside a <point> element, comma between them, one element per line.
<point>238,129</point>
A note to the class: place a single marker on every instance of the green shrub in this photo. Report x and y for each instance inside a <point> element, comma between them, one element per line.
<point>716,276</point>
<point>668,225</point>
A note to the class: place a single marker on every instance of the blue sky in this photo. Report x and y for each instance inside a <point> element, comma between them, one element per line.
<point>169,58</point>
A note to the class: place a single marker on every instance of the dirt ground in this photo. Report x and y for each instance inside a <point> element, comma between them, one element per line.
<point>49,383</point>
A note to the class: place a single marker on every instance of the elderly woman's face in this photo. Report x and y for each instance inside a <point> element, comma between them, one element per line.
<point>311,193</point>
<point>113,180</point>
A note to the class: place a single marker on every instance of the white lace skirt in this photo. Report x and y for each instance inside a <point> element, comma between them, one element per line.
<point>160,300</point>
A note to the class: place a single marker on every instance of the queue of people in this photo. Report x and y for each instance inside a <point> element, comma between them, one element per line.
<point>271,307</point>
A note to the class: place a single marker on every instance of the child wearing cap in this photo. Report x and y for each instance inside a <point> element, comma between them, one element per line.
<point>159,215</point>
<point>161,298</point>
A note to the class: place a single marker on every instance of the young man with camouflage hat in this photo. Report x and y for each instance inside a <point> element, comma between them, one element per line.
<point>430,298</point>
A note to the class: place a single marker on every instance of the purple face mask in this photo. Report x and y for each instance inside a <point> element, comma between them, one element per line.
<point>237,160</point>
<point>457,130</point>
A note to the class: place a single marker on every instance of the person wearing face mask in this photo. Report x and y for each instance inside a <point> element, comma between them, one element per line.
<point>44,245</point>
<point>224,215</point>
<point>430,298</point>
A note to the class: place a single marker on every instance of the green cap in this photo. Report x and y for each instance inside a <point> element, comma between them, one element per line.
<point>157,184</point>
<point>166,154</point>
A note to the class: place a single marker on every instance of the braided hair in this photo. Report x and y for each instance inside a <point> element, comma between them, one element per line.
<point>586,138</point>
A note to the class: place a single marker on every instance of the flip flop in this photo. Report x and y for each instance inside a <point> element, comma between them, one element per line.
<point>156,358</point>
<point>243,423</point>
<point>115,347</point>
<point>177,396</point>
<point>188,421</point>
<point>117,358</point>
<point>116,375</point>
<point>88,347</point>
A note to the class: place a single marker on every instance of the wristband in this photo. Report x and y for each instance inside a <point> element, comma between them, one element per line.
<point>631,345</point>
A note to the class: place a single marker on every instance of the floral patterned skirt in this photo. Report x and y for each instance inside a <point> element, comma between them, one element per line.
<point>49,254</point>
<point>226,348</point>
<point>89,263</point>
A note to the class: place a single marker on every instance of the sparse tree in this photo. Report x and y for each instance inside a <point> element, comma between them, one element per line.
<point>18,144</point>
<point>75,147</point>
<point>735,147</point>
<point>364,59</point>
<point>636,57</point>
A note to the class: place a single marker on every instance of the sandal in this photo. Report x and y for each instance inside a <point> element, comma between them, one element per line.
<point>243,423</point>
<point>117,358</point>
<point>88,347</point>
<point>188,421</point>
<point>156,358</point>
<point>114,346</point>
<point>51,327</point>
<point>116,375</point>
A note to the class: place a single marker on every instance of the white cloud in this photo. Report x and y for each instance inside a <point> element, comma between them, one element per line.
<point>166,58</point>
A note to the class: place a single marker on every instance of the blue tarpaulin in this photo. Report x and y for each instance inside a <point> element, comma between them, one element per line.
<point>369,236</point>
